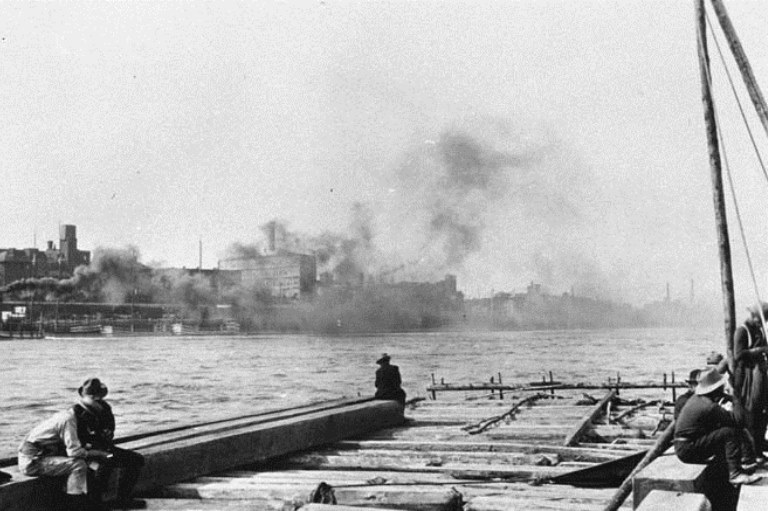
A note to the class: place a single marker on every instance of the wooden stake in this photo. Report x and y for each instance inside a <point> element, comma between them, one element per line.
<point>718,196</point>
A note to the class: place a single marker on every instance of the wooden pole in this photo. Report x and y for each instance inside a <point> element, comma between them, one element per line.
<point>661,445</point>
<point>741,60</point>
<point>726,274</point>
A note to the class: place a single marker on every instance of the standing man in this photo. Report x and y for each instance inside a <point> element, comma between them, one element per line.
<point>750,362</point>
<point>96,430</point>
<point>388,381</point>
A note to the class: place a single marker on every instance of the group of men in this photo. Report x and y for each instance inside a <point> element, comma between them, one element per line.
<point>731,427</point>
<point>78,444</point>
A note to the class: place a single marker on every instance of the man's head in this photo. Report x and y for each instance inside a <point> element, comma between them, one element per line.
<point>384,360</point>
<point>93,388</point>
<point>710,382</point>
<point>693,378</point>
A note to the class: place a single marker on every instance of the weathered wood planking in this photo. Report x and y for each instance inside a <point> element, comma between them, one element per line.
<point>186,454</point>
<point>188,458</point>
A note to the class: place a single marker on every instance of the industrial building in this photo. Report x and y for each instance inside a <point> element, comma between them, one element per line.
<point>17,264</point>
<point>284,275</point>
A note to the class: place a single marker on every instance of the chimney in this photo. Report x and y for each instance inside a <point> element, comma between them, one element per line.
<point>272,228</point>
<point>50,245</point>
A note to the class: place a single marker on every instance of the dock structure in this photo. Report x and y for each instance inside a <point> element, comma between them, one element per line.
<point>552,452</point>
<point>525,450</point>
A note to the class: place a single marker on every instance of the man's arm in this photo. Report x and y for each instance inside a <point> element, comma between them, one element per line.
<point>69,435</point>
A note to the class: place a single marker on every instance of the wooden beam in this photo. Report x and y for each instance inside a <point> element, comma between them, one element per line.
<point>755,94</point>
<point>188,458</point>
<point>576,453</point>
<point>575,435</point>
<point>662,444</point>
<point>716,176</point>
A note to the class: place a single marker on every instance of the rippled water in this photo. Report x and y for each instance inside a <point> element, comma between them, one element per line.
<point>159,382</point>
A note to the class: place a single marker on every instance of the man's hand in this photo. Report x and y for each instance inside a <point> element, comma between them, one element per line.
<point>97,454</point>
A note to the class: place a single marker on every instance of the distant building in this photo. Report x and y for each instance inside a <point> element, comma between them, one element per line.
<point>285,275</point>
<point>17,264</point>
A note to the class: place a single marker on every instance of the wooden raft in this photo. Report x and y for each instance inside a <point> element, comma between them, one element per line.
<point>451,455</point>
<point>184,453</point>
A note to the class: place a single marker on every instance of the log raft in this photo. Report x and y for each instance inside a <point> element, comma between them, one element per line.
<point>478,455</point>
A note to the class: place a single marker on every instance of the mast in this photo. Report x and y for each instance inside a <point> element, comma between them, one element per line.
<point>741,60</point>
<point>726,272</point>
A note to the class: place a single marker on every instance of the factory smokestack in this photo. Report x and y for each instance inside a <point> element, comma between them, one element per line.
<point>271,228</point>
<point>200,260</point>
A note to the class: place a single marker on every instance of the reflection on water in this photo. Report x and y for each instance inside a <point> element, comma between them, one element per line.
<point>159,382</point>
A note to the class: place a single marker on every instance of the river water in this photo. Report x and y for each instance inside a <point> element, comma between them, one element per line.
<point>160,382</point>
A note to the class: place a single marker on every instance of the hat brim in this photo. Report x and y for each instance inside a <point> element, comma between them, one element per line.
<point>103,391</point>
<point>382,360</point>
<point>709,388</point>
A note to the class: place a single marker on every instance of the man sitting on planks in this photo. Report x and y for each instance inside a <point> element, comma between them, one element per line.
<point>388,381</point>
<point>53,448</point>
<point>96,430</point>
<point>705,429</point>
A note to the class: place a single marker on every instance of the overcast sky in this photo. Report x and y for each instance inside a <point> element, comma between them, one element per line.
<point>156,124</point>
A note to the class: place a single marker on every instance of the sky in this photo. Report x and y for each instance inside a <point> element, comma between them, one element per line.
<point>504,142</point>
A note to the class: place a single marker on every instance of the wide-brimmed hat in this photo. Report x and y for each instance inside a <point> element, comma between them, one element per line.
<point>693,377</point>
<point>709,380</point>
<point>384,358</point>
<point>93,387</point>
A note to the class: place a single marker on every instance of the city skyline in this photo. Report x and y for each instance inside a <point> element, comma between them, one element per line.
<point>504,142</point>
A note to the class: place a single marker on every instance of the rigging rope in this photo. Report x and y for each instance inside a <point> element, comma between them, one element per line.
<point>735,201</point>
<point>736,96</point>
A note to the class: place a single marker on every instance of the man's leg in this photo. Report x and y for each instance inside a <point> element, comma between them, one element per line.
<point>74,468</point>
<point>724,443</point>
<point>129,463</point>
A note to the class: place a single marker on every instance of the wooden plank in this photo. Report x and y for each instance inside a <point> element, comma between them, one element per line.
<point>177,461</point>
<point>752,498</point>
<point>331,507</point>
<point>662,500</point>
<point>668,473</point>
<point>575,435</point>
<point>210,505</point>
<point>307,480</point>
<point>524,503</point>
<point>222,426</point>
<point>572,453</point>
<point>330,458</point>
<point>412,497</point>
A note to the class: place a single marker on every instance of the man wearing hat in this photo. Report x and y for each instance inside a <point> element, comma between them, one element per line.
<point>53,448</point>
<point>388,381</point>
<point>96,431</point>
<point>692,381</point>
<point>705,429</point>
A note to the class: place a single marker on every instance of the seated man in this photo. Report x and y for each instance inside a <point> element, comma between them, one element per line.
<point>704,429</point>
<point>692,381</point>
<point>53,448</point>
<point>388,381</point>
<point>96,430</point>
